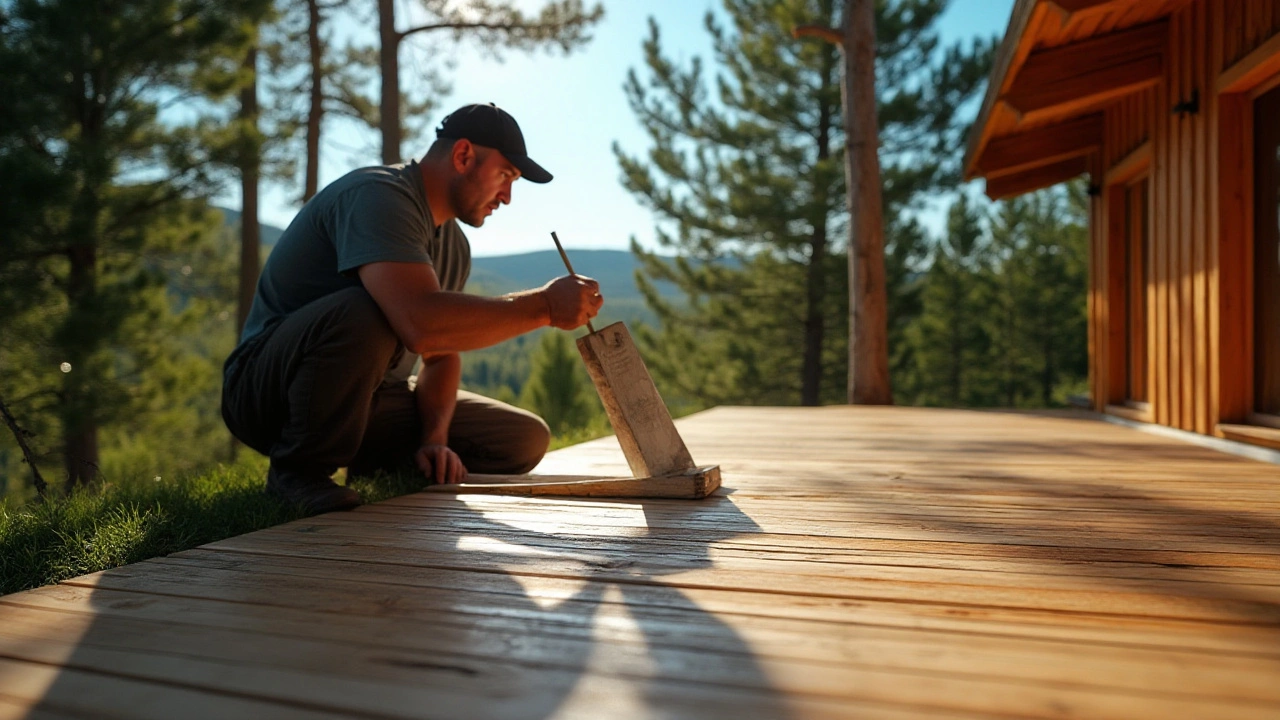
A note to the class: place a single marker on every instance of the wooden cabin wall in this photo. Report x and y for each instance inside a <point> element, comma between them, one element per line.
<point>1245,25</point>
<point>1185,291</point>
<point>1181,230</point>
<point>1128,131</point>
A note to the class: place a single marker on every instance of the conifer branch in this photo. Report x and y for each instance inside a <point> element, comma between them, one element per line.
<point>508,27</point>
<point>21,436</point>
<point>37,255</point>
<point>823,32</point>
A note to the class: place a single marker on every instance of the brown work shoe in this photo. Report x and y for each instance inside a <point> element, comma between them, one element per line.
<point>315,494</point>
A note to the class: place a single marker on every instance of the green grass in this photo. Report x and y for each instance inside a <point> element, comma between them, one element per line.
<point>120,523</point>
<point>597,428</point>
<point>65,536</point>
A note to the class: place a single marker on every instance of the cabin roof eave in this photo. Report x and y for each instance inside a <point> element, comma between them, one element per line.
<point>1002,69</point>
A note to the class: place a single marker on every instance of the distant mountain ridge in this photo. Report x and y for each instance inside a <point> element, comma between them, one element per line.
<point>613,269</point>
<point>270,233</point>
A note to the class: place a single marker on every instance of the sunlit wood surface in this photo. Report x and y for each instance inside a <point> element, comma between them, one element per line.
<point>860,563</point>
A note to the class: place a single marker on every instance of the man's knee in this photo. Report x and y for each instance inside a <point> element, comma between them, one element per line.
<point>348,328</point>
<point>322,361</point>
<point>493,437</point>
<point>358,314</point>
<point>530,439</point>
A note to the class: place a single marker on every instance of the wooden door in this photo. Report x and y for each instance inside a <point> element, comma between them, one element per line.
<point>1266,256</point>
<point>1137,247</point>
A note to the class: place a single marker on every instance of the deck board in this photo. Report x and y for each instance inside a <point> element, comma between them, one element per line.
<point>859,562</point>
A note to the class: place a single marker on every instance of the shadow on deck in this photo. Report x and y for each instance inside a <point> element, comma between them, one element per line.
<point>860,562</point>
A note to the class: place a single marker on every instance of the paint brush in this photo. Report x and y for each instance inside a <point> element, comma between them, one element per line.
<point>568,266</point>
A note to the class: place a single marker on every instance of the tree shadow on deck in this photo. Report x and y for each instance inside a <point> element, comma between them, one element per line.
<point>434,610</point>
<point>676,658</point>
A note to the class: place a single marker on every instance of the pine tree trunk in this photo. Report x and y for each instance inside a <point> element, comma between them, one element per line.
<point>81,336</point>
<point>814,325</point>
<point>1010,388</point>
<point>389,106</point>
<point>80,455</point>
<point>316,110</point>
<point>956,361</point>
<point>868,311</point>
<point>250,233</point>
<point>1048,373</point>
<point>79,419</point>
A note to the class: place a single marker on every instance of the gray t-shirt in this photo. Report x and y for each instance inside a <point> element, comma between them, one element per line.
<point>375,214</point>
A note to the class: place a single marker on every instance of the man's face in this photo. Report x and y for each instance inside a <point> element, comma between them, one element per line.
<point>482,186</point>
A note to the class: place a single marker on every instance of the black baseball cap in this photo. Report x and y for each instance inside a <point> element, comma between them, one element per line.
<point>492,127</point>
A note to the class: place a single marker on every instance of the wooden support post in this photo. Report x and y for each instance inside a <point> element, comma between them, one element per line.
<point>868,305</point>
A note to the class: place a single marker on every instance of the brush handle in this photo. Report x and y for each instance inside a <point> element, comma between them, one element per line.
<point>568,266</point>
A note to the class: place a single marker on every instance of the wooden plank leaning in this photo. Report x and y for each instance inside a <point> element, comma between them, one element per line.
<point>655,452</point>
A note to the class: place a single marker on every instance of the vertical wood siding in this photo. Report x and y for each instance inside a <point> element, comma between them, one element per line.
<point>1245,25</point>
<point>1187,291</point>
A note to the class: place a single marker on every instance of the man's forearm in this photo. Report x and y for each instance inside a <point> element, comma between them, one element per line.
<point>432,321</point>
<point>453,322</point>
<point>437,394</point>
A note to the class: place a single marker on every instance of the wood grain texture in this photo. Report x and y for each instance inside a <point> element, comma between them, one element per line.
<point>1041,25</point>
<point>1042,146</point>
<point>1235,292</point>
<point>1036,178</point>
<point>640,419</point>
<point>869,562</point>
<point>1251,45</point>
<point>1201,187</point>
<point>692,484</point>
<point>1067,80</point>
<point>1115,320</point>
<point>1073,6</point>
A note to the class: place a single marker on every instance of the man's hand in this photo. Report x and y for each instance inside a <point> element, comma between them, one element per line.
<point>440,464</point>
<point>572,301</point>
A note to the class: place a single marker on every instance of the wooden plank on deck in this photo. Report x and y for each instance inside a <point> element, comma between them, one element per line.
<point>859,562</point>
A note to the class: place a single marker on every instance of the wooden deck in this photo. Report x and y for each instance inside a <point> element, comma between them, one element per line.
<point>860,563</point>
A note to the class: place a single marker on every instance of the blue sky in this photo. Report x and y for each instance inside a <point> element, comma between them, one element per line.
<point>571,109</point>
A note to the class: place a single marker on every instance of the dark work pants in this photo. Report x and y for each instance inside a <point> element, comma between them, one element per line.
<point>308,393</point>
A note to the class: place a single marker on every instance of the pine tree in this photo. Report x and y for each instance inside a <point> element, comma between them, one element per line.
<point>496,25</point>
<point>747,185</point>
<point>948,339</point>
<point>1058,264</point>
<point>98,187</point>
<point>906,263</point>
<point>312,80</point>
<point>1035,289</point>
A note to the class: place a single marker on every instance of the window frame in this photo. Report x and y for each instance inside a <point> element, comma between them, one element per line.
<point>1130,172</point>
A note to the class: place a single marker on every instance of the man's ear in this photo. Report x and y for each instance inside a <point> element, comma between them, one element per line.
<point>463,155</point>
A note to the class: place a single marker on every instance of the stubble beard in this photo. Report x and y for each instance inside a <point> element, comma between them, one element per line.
<point>470,207</point>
